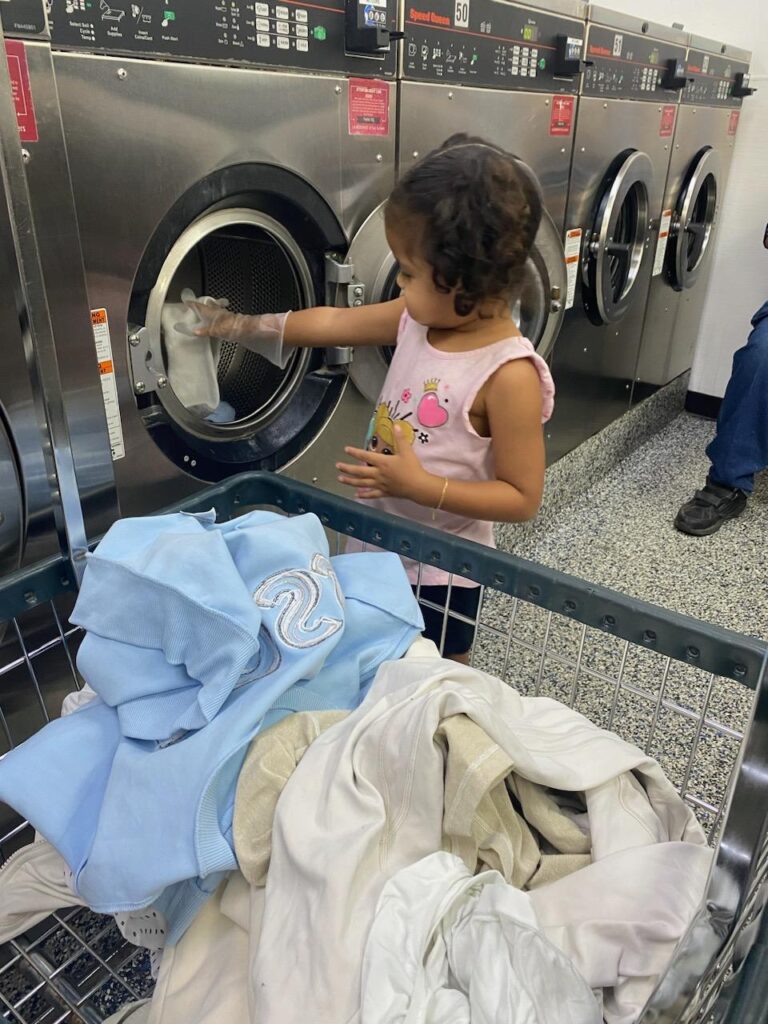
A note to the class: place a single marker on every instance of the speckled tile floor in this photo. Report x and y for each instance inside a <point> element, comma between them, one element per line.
<point>619,533</point>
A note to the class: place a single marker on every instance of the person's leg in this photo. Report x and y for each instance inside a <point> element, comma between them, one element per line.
<point>451,635</point>
<point>740,446</point>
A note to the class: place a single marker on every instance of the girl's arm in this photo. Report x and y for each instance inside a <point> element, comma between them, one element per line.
<point>320,327</point>
<point>513,402</point>
<point>325,326</point>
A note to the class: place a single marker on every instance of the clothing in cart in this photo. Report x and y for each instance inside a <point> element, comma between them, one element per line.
<point>199,634</point>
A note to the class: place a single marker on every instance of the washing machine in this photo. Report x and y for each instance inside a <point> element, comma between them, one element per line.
<point>625,125</point>
<point>234,149</point>
<point>509,73</point>
<point>35,439</point>
<point>717,81</point>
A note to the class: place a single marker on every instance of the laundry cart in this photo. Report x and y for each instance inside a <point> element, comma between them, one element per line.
<point>692,695</point>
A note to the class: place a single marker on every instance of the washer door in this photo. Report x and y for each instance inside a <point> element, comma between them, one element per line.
<point>265,416</point>
<point>615,252</point>
<point>538,310</point>
<point>694,220</point>
<point>12,505</point>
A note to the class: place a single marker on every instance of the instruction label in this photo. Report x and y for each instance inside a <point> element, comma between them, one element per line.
<point>22,92</point>
<point>733,122</point>
<point>103,342</point>
<point>661,244</point>
<point>667,125</point>
<point>368,107</point>
<point>561,121</point>
<point>572,254</point>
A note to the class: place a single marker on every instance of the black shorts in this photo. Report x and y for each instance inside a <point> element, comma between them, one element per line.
<point>459,635</point>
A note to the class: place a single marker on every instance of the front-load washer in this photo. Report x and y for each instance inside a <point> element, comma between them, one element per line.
<point>625,124</point>
<point>509,73</point>
<point>233,149</point>
<point>717,80</point>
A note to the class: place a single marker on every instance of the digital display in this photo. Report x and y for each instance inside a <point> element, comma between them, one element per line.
<point>530,33</point>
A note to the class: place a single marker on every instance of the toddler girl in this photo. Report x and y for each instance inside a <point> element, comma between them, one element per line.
<point>456,439</point>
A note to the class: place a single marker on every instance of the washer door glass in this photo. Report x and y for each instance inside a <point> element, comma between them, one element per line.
<point>694,220</point>
<point>618,244</point>
<point>220,389</point>
<point>537,310</point>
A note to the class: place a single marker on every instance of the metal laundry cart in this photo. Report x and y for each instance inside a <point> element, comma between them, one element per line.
<point>691,694</point>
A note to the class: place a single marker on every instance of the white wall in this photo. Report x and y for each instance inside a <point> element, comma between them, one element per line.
<point>739,280</point>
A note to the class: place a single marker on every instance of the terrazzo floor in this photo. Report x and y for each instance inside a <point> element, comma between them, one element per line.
<point>619,533</point>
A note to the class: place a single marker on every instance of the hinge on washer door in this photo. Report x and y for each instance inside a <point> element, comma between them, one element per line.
<point>342,289</point>
<point>147,369</point>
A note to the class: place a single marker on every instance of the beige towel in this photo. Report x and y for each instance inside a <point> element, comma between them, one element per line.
<point>270,762</point>
<point>480,823</point>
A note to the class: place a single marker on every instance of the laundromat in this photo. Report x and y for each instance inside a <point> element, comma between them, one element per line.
<point>383,512</point>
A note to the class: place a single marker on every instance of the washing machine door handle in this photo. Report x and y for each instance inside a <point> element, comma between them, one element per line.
<point>694,219</point>
<point>620,235</point>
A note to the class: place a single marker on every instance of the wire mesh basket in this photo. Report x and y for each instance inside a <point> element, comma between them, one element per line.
<point>690,694</point>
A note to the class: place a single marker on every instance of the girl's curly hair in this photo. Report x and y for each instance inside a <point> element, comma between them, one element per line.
<point>480,208</point>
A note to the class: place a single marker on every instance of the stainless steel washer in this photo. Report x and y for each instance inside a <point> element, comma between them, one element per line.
<point>241,163</point>
<point>626,117</point>
<point>509,73</point>
<point>717,80</point>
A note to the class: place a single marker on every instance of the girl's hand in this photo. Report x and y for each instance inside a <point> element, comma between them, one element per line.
<point>395,476</point>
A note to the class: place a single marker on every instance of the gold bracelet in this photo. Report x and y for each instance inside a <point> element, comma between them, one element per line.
<point>439,505</point>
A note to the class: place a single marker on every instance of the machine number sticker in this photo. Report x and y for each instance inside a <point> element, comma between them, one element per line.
<point>618,44</point>
<point>368,107</point>
<point>667,125</point>
<point>461,14</point>
<point>103,342</point>
<point>561,121</point>
<point>661,244</point>
<point>572,254</point>
<point>22,93</point>
<point>733,122</point>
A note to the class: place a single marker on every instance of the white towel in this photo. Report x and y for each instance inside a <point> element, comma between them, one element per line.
<point>192,361</point>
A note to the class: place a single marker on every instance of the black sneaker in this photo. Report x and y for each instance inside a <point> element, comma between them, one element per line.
<point>709,508</point>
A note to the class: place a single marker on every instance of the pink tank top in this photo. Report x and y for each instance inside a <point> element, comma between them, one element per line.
<point>430,393</point>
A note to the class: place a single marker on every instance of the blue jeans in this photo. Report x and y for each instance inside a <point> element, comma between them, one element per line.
<point>740,447</point>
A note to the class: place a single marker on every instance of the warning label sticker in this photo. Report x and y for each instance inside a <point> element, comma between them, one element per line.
<point>661,244</point>
<point>572,254</point>
<point>22,93</point>
<point>103,342</point>
<point>667,125</point>
<point>561,122</point>
<point>733,122</point>
<point>368,107</point>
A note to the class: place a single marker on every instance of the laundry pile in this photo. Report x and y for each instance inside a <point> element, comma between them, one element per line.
<point>308,815</point>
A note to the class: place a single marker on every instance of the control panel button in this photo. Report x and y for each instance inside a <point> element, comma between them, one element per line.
<point>262,24</point>
<point>262,10</point>
<point>283,13</point>
<point>302,31</point>
<point>302,16</point>
<point>283,28</point>
<point>262,40</point>
<point>283,43</point>
<point>302,45</point>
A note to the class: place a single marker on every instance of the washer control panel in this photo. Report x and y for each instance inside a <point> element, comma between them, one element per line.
<point>713,80</point>
<point>627,66</point>
<point>282,33</point>
<point>486,43</point>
